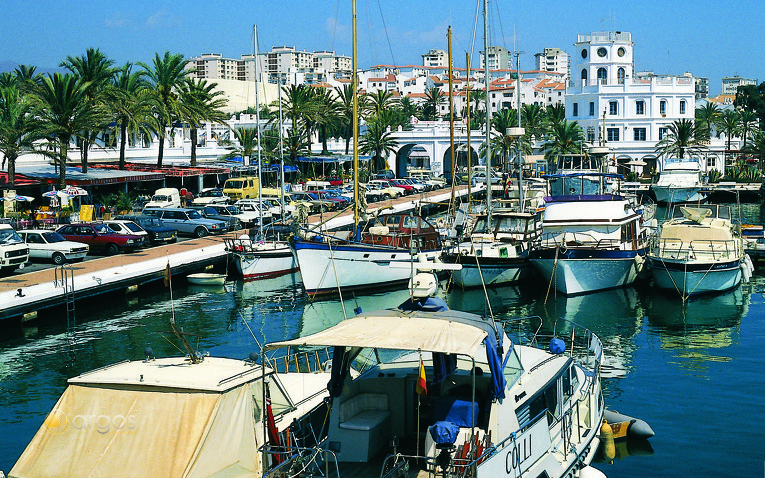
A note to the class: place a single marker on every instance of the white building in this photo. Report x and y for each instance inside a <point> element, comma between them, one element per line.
<point>499,58</point>
<point>553,59</point>
<point>730,84</point>
<point>435,58</point>
<point>629,113</point>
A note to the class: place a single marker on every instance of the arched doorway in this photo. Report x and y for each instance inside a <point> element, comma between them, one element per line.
<point>460,157</point>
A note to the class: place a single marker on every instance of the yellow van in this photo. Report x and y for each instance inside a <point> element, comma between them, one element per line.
<point>246,187</point>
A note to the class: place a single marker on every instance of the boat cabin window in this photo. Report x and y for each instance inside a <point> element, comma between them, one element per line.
<point>411,222</point>
<point>279,402</point>
<point>550,400</point>
<point>513,370</point>
<point>512,224</point>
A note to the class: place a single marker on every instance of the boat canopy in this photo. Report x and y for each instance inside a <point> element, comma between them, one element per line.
<point>397,330</point>
<point>443,332</point>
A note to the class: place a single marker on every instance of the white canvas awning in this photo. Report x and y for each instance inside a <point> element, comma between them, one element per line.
<point>399,331</point>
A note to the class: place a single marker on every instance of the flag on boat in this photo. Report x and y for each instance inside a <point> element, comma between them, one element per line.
<point>167,274</point>
<point>422,384</point>
<point>273,432</point>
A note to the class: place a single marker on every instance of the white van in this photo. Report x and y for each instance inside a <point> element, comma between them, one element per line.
<point>317,185</point>
<point>165,197</point>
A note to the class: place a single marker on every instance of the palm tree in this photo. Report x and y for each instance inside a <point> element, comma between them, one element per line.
<point>345,113</point>
<point>565,137</point>
<point>556,114</point>
<point>19,128</point>
<point>29,79</point>
<point>64,110</point>
<point>326,115</point>
<point>707,117</point>
<point>166,75</point>
<point>298,105</point>
<point>201,103</point>
<point>377,102</point>
<point>747,122</point>
<point>729,124</point>
<point>131,101</point>
<point>248,143</point>
<point>409,108</point>
<point>433,101</point>
<point>533,120</point>
<point>376,141</point>
<point>756,145</point>
<point>296,143</point>
<point>94,70</point>
<point>681,137</point>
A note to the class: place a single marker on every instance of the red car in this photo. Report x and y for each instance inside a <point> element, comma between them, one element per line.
<point>400,184</point>
<point>101,237</point>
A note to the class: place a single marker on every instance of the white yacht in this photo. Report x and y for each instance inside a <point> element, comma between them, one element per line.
<point>699,250</point>
<point>590,240</point>
<point>495,253</point>
<point>680,181</point>
<point>422,390</point>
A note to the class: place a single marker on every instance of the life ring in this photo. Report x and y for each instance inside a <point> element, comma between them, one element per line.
<point>562,248</point>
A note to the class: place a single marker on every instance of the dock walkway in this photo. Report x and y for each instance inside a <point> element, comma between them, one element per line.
<point>23,295</point>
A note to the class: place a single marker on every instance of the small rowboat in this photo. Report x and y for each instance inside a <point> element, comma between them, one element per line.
<point>204,278</point>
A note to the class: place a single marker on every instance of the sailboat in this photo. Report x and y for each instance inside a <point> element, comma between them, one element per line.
<point>331,263</point>
<point>497,249</point>
<point>268,254</point>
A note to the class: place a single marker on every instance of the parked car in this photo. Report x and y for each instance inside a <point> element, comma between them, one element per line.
<point>158,232</point>
<point>211,196</point>
<point>100,237</point>
<point>14,253</point>
<point>47,245</point>
<point>122,226</point>
<point>384,174</point>
<point>334,196</point>
<point>250,212</point>
<point>222,212</point>
<point>392,190</point>
<point>165,197</point>
<point>317,204</point>
<point>187,221</point>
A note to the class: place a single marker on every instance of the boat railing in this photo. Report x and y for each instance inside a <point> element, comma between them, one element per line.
<point>577,240</point>
<point>299,461</point>
<point>310,361</point>
<point>246,245</point>
<point>518,329</point>
<point>697,249</point>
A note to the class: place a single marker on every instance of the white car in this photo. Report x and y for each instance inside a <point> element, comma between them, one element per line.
<point>249,212</point>
<point>211,196</point>
<point>386,190</point>
<point>122,226</point>
<point>47,245</point>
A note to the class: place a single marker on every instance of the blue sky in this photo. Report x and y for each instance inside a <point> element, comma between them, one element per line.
<point>671,37</point>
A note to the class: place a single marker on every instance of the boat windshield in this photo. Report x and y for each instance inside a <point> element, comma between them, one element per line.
<point>369,358</point>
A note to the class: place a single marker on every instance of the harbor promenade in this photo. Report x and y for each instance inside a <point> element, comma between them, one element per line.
<point>24,296</point>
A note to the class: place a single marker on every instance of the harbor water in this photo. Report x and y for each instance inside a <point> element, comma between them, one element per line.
<point>693,371</point>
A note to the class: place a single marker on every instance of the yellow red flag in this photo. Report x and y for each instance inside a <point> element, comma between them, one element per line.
<point>422,384</point>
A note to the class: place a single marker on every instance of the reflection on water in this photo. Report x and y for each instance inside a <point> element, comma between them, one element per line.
<point>641,332</point>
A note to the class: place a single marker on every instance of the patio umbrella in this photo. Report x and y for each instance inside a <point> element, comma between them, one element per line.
<point>75,191</point>
<point>19,198</point>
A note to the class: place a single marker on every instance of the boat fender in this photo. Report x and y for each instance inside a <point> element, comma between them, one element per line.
<point>557,346</point>
<point>607,438</point>
<point>591,472</point>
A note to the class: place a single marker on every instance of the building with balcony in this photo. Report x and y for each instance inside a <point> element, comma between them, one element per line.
<point>730,84</point>
<point>628,113</point>
<point>553,59</point>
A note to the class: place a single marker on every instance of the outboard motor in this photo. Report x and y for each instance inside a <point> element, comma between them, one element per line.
<point>444,435</point>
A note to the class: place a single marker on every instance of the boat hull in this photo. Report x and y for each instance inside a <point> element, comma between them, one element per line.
<point>695,278</point>
<point>477,271</point>
<point>675,195</point>
<point>580,272</point>
<point>206,279</point>
<point>266,261</point>
<point>324,271</point>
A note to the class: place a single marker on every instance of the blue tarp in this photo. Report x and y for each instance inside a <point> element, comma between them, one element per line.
<point>329,159</point>
<point>444,433</point>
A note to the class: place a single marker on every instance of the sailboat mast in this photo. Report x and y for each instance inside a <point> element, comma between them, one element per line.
<point>467,122</point>
<point>257,126</point>
<point>281,152</point>
<point>486,82</point>
<point>520,153</point>
<point>451,111</point>
<point>355,120</point>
